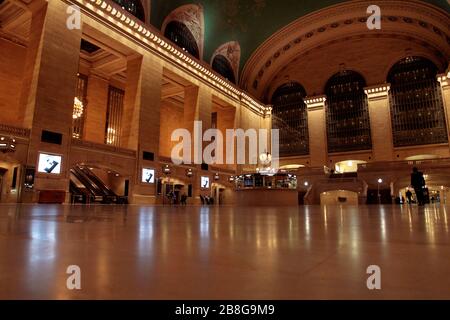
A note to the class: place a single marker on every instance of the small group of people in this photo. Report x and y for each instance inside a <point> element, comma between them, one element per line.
<point>206,199</point>
<point>172,198</point>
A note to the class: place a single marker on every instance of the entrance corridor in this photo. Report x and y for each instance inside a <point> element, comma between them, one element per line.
<point>156,252</point>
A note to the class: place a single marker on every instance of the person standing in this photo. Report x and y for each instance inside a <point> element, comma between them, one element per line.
<point>418,183</point>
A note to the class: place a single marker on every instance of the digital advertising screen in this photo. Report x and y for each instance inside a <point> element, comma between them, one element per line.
<point>204,182</point>
<point>49,163</point>
<point>148,175</point>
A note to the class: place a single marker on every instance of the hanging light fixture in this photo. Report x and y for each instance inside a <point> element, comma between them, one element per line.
<point>265,159</point>
<point>78,109</point>
<point>166,169</point>
<point>7,144</point>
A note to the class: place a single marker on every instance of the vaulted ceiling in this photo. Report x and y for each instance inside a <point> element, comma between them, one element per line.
<point>250,22</point>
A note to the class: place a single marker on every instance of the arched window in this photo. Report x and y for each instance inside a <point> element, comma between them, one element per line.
<point>289,115</point>
<point>178,33</point>
<point>222,66</point>
<point>417,110</point>
<point>134,7</point>
<point>348,126</point>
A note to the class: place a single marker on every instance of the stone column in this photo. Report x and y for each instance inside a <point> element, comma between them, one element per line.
<point>197,107</point>
<point>444,80</point>
<point>51,90</point>
<point>380,122</point>
<point>318,150</point>
<point>141,119</point>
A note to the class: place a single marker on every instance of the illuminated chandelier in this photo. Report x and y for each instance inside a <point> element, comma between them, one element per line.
<point>7,144</point>
<point>265,159</point>
<point>78,108</point>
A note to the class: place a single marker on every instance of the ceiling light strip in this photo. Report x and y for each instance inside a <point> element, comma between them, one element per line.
<point>141,32</point>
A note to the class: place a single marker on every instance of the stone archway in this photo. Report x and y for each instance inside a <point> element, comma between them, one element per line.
<point>191,15</point>
<point>297,49</point>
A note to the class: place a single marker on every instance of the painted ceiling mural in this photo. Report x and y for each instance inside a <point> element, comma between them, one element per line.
<point>249,22</point>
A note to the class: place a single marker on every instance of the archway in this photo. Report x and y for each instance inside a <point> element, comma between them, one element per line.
<point>290,116</point>
<point>437,188</point>
<point>226,60</point>
<point>347,113</point>
<point>185,26</point>
<point>417,108</point>
<point>10,182</point>
<point>348,166</point>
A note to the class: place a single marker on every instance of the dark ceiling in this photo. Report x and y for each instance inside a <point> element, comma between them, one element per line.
<point>250,22</point>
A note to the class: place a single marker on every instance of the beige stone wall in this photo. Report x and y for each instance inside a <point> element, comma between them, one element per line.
<point>171,118</point>
<point>46,88</point>
<point>97,100</point>
<point>11,78</point>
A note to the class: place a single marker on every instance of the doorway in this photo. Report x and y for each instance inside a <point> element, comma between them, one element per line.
<point>2,173</point>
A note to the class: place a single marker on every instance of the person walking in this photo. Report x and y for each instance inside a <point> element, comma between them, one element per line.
<point>418,183</point>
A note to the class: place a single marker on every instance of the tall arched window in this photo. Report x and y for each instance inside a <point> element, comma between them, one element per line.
<point>348,126</point>
<point>178,33</point>
<point>134,7</point>
<point>417,110</point>
<point>222,66</point>
<point>290,116</point>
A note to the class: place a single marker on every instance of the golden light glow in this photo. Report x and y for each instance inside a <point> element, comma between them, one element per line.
<point>105,9</point>
<point>78,108</point>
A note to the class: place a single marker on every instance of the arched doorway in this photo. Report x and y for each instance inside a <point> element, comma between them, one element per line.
<point>348,166</point>
<point>2,173</point>
<point>172,189</point>
<point>437,188</point>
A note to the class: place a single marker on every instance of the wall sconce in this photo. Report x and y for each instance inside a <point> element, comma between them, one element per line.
<point>216,177</point>
<point>166,170</point>
<point>189,173</point>
<point>231,179</point>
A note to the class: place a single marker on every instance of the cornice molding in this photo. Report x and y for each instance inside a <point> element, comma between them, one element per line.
<point>150,39</point>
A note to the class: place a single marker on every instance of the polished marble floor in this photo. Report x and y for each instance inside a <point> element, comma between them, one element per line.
<point>151,252</point>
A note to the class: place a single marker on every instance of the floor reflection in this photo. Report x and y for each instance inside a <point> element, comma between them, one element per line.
<point>152,252</point>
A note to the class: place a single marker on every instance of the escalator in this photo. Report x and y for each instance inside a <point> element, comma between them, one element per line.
<point>80,180</point>
<point>79,193</point>
<point>108,195</point>
<point>84,182</point>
